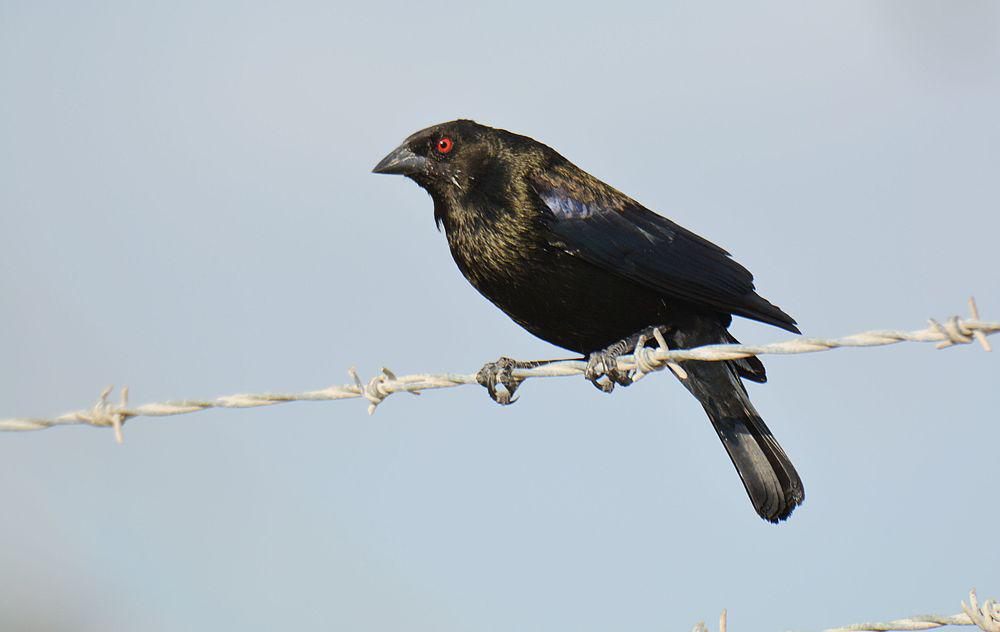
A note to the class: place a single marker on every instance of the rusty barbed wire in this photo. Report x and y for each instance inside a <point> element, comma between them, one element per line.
<point>642,361</point>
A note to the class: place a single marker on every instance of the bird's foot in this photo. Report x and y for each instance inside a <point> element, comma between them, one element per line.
<point>498,378</point>
<point>602,368</point>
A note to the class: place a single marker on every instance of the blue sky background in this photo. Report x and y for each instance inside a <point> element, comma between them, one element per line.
<point>186,208</point>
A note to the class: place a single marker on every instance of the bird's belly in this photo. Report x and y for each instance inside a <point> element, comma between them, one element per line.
<point>569,302</point>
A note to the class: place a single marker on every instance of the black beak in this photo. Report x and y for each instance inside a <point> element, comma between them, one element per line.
<point>401,161</point>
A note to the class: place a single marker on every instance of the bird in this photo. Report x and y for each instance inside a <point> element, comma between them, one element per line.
<point>583,266</point>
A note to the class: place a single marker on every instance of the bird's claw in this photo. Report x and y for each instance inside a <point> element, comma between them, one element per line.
<point>604,364</point>
<point>498,378</point>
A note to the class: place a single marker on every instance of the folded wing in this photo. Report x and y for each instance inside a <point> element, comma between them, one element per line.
<point>612,231</point>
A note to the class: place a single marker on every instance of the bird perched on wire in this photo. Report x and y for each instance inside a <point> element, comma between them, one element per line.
<point>585,267</point>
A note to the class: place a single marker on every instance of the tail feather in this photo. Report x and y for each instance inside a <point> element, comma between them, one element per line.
<point>768,475</point>
<point>749,368</point>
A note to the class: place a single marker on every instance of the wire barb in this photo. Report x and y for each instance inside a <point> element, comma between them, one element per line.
<point>374,391</point>
<point>646,361</point>
<point>980,336</point>
<point>642,360</point>
<point>985,617</point>
<point>104,414</point>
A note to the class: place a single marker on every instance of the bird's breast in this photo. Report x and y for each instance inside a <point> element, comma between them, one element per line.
<point>493,256</point>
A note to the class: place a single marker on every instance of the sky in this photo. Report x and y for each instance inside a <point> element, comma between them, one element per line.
<point>187,208</point>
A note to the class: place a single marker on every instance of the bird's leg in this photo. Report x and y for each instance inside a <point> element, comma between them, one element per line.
<point>498,378</point>
<point>604,363</point>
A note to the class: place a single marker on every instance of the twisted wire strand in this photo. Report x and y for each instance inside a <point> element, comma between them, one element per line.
<point>986,617</point>
<point>642,361</point>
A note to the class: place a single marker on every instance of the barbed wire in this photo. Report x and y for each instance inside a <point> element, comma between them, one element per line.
<point>642,361</point>
<point>986,617</point>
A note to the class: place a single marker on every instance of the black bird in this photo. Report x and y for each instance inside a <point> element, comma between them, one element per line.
<point>585,267</point>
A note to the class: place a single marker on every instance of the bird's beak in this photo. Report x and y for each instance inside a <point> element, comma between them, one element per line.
<point>402,161</point>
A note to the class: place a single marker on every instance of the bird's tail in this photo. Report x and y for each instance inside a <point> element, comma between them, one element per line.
<point>770,479</point>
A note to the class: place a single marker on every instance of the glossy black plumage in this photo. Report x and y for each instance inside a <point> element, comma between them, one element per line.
<point>582,265</point>
<point>618,234</point>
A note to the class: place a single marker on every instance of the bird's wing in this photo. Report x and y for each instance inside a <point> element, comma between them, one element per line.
<point>610,230</point>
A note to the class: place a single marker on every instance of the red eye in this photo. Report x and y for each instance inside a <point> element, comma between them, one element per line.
<point>445,145</point>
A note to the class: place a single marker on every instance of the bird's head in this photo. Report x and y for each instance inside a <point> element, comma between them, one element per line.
<point>452,159</point>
